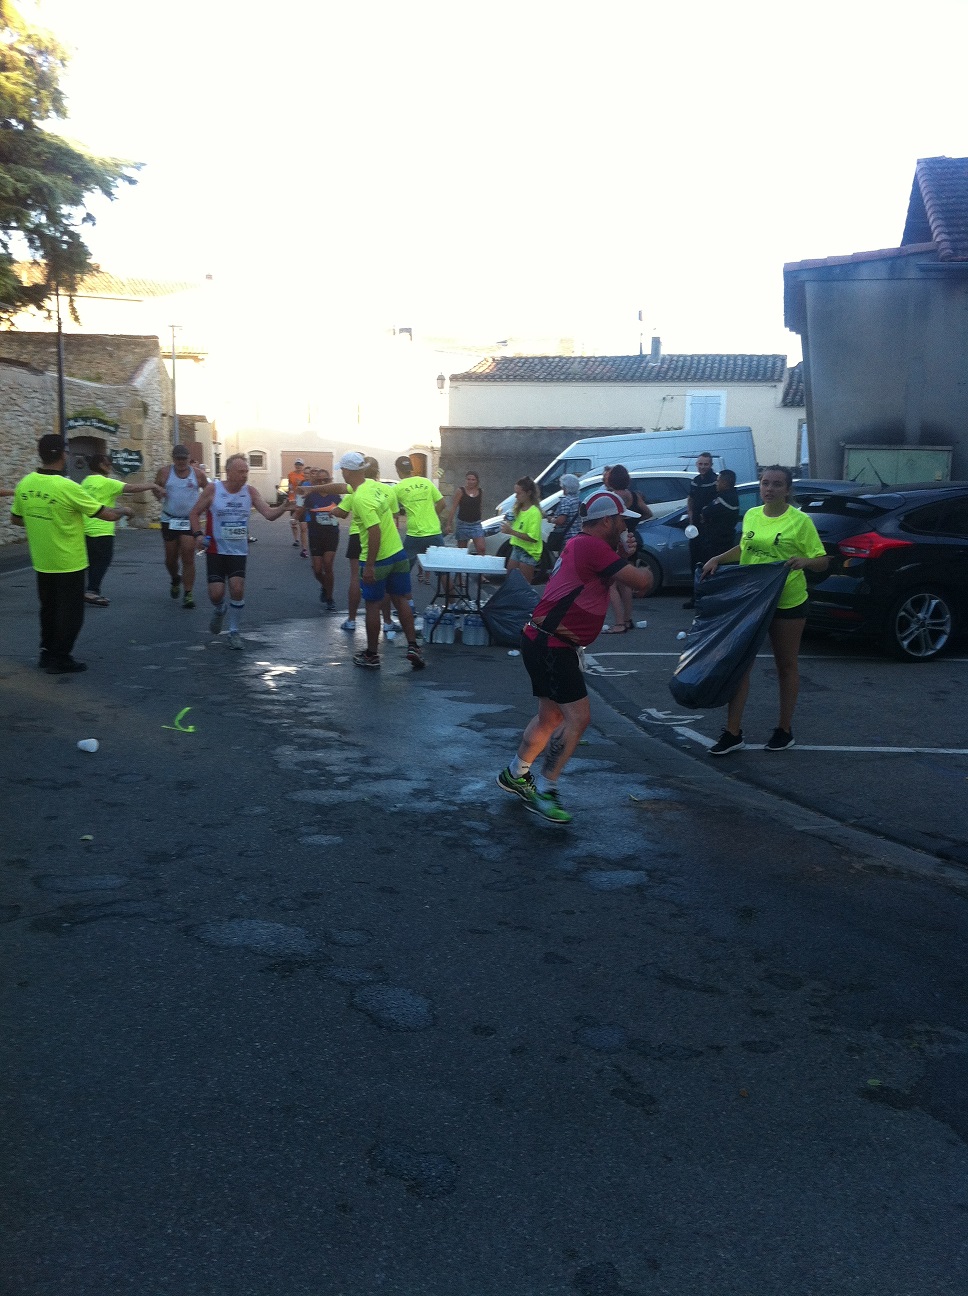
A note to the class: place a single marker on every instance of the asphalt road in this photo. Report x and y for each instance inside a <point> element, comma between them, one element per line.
<point>881,744</point>
<point>296,1001</point>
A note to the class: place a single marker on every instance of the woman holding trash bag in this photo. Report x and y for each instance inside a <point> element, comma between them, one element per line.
<point>776,531</point>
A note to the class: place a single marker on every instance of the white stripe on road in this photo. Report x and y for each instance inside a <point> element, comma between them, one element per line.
<point>769,656</point>
<point>879,751</point>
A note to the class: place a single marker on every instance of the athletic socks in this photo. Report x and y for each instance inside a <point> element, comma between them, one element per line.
<point>235,615</point>
<point>544,785</point>
<point>518,767</point>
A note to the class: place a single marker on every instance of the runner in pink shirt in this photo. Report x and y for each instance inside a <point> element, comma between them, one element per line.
<point>568,618</point>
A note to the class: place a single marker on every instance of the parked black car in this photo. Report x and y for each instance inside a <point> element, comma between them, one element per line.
<point>899,567</point>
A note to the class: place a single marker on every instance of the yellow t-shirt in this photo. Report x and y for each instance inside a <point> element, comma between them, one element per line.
<point>53,509</point>
<point>105,490</point>
<point>775,539</point>
<point>347,504</point>
<point>417,497</point>
<point>529,521</point>
<point>373,504</point>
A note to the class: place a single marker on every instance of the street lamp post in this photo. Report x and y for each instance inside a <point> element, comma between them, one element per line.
<point>174,398</point>
<point>61,403</point>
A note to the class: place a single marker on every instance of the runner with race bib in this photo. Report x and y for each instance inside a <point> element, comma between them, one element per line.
<point>226,540</point>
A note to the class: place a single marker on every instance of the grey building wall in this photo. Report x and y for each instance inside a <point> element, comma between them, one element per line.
<point>885,357</point>
<point>500,456</point>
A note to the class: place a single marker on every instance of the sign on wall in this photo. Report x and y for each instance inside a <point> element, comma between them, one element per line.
<point>92,421</point>
<point>126,462</point>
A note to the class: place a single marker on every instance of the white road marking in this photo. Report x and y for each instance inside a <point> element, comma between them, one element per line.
<point>666,717</point>
<point>803,657</point>
<point>877,751</point>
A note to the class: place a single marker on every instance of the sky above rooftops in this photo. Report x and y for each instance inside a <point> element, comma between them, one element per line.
<point>515,168</point>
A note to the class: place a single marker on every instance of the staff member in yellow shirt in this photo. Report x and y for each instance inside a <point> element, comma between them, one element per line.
<point>524,528</point>
<point>52,509</point>
<point>386,569</point>
<point>100,535</point>
<point>775,532</point>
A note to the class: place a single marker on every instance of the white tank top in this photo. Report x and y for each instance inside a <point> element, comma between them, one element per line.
<point>228,521</point>
<point>181,493</point>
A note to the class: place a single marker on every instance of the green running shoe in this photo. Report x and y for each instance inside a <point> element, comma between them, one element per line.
<point>175,588</point>
<point>546,805</point>
<point>189,600</point>
<point>522,787</point>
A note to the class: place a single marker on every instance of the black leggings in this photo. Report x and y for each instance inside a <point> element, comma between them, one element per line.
<point>100,551</point>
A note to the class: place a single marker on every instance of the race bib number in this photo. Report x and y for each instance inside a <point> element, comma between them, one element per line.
<point>178,524</point>
<point>235,531</point>
<point>324,519</point>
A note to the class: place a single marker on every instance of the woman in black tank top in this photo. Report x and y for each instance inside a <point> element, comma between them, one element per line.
<point>468,507</point>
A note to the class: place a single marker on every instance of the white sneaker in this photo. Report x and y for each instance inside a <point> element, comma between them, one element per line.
<point>389,631</point>
<point>235,640</point>
<point>348,625</point>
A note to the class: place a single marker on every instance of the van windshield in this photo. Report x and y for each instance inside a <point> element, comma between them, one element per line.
<point>550,481</point>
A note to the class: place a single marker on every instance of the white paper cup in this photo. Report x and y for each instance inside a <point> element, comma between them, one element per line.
<point>89,744</point>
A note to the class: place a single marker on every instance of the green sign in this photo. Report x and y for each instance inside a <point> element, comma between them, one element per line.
<point>90,421</point>
<point>126,462</point>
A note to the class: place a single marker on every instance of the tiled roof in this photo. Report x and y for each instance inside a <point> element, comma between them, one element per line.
<point>938,208</point>
<point>627,369</point>
<point>102,284</point>
<point>793,387</point>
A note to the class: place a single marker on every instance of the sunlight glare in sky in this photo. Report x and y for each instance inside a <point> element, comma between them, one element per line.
<point>494,170</point>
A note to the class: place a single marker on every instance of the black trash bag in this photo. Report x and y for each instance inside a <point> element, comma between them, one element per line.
<point>509,610</point>
<point>734,608</point>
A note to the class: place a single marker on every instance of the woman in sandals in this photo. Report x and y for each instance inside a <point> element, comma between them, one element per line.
<point>620,597</point>
<point>99,535</point>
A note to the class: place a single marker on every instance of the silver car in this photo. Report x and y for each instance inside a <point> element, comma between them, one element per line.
<point>664,492</point>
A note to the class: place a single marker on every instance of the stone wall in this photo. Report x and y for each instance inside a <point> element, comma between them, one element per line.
<point>140,403</point>
<point>93,357</point>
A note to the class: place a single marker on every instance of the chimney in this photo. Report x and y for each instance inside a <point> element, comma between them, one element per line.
<point>655,355</point>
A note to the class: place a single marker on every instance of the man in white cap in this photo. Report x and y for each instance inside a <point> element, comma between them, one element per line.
<point>568,618</point>
<point>386,568</point>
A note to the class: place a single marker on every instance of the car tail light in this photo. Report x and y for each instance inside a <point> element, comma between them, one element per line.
<point>870,545</point>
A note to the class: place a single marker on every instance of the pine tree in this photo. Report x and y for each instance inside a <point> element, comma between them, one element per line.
<point>45,179</point>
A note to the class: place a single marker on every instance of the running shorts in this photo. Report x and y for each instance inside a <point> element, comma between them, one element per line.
<point>555,672</point>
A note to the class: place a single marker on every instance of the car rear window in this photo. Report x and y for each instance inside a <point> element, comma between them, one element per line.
<point>660,490</point>
<point>856,506</point>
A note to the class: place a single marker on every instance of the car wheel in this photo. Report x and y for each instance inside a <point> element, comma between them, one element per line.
<point>649,563</point>
<point>919,625</point>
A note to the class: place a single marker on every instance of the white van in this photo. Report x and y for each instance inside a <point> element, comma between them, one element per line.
<point>730,447</point>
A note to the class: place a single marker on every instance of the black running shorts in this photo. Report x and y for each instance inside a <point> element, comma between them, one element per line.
<point>221,567</point>
<point>555,672</point>
<point>323,539</point>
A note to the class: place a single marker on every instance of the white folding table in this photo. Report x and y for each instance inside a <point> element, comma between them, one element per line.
<point>455,569</point>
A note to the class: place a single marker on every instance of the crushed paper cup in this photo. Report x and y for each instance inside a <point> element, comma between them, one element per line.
<point>89,744</point>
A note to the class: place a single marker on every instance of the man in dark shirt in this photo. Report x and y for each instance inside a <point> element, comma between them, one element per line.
<point>717,526</point>
<point>702,491</point>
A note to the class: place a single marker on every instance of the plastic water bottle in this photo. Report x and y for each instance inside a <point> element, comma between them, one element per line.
<point>446,629</point>
<point>475,632</point>
<point>430,618</point>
